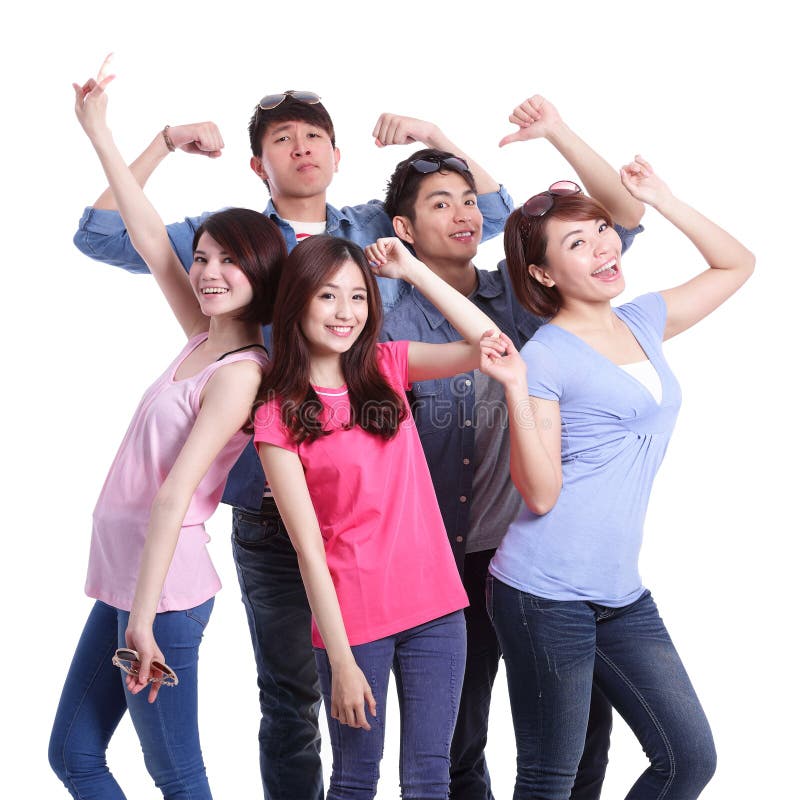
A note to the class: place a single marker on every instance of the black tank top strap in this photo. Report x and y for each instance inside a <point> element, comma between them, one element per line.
<point>244,347</point>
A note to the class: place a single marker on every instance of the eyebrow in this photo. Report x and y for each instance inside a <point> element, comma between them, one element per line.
<point>580,230</point>
<point>279,128</point>
<point>445,193</point>
<point>336,286</point>
<point>203,252</point>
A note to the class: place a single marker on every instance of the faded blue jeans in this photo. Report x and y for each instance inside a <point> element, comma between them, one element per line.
<point>94,700</point>
<point>552,651</point>
<point>428,666</point>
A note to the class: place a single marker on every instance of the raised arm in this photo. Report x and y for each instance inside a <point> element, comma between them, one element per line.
<point>144,225</point>
<point>200,138</point>
<point>391,259</point>
<point>225,407</point>
<point>537,118</point>
<point>396,129</point>
<point>350,690</point>
<point>730,263</point>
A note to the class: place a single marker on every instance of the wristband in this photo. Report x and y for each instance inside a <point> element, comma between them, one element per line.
<point>167,140</point>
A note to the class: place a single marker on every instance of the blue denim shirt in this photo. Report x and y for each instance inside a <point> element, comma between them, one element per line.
<point>444,408</point>
<point>101,235</point>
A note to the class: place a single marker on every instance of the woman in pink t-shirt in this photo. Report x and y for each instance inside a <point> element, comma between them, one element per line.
<point>343,459</point>
<point>149,570</point>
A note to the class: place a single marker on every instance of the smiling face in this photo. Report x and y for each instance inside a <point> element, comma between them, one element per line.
<point>219,284</point>
<point>447,223</point>
<point>337,312</point>
<point>582,260</point>
<point>298,159</point>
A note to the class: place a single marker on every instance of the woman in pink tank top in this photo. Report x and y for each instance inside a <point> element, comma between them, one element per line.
<point>149,570</point>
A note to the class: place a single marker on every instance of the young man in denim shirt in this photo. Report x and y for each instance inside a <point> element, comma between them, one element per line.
<point>295,155</point>
<point>462,421</point>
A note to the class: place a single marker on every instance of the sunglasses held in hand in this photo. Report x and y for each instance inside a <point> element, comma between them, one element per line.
<point>128,661</point>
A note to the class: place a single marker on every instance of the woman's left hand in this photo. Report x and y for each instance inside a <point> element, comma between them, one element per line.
<point>91,101</point>
<point>640,180</point>
<point>144,643</point>
<point>389,258</point>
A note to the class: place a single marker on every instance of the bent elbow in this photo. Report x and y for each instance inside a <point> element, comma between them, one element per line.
<point>538,506</point>
<point>541,503</point>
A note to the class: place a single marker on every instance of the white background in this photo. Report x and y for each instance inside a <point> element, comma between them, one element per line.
<point>705,90</point>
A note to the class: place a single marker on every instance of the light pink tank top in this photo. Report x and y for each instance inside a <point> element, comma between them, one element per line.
<point>157,433</point>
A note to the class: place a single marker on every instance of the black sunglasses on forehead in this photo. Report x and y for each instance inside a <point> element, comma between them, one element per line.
<point>540,204</point>
<point>270,101</point>
<point>433,163</point>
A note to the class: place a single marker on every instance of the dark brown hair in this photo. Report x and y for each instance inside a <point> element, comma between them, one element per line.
<point>525,243</point>
<point>403,187</point>
<point>289,110</point>
<point>374,405</point>
<point>259,249</point>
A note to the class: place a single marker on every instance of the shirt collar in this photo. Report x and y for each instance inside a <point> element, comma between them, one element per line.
<point>333,217</point>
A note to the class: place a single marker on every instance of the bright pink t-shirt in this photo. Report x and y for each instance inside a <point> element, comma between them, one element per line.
<point>385,542</point>
<point>158,431</point>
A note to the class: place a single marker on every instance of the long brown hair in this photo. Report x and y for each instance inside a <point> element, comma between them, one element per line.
<point>374,405</point>
<point>525,243</point>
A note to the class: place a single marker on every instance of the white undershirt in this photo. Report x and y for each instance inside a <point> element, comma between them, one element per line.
<point>302,230</point>
<point>645,373</point>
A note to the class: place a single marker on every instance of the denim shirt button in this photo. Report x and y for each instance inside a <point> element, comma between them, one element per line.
<point>462,499</point>
<point>467,422</point>
<point>466,462</point>
<point>467,382</point>
<point>459,539</point>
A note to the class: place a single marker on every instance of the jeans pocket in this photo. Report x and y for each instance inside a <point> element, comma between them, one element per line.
<point>202,613</point>
<point>253,529</point>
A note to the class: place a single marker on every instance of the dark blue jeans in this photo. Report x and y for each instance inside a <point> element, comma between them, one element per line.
<point>428,665</point>
<point>94,700</point>
<point>469,775</point>
<point>280,629</point>
<point>553,649</point>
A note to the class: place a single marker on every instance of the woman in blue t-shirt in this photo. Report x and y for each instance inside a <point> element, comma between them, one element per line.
<point>594,404</point>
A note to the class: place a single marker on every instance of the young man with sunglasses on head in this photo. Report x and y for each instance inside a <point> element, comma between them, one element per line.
<point>432,197</point>
<point>295,155</point>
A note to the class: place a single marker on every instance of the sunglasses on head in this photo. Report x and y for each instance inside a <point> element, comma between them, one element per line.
<point>540,204</point>
<point>270,101</point>
<point>128,661</point>
<point>433,163</point>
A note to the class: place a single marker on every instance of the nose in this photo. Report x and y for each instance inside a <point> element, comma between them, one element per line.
<point>301,149</point>
<point>343,309</point>
<point>210,270</point>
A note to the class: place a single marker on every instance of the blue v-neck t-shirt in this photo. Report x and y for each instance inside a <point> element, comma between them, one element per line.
<point>613,438</point>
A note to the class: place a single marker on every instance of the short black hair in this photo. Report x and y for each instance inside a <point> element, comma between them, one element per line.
<point>289,110</point>
<point>403,187</point>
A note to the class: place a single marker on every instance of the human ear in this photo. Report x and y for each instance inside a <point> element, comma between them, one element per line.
<point>258,167</point>
<point>540,275</point>
<point>336,156</point>
<point>402,227</point>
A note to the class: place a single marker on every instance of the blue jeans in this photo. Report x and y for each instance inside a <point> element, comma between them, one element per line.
<point>94,700</point>
<point>428,666</point>
<point>280,629</point>
<point>469,775</point>
<point>552,651</point>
